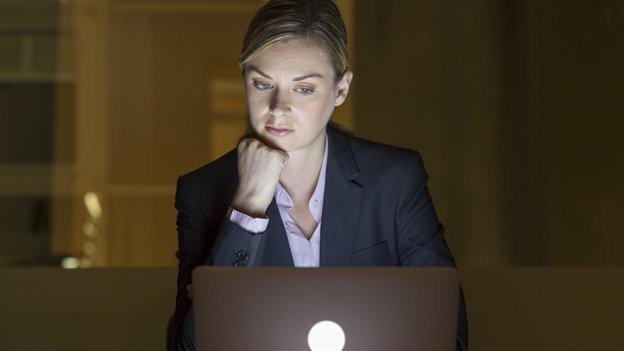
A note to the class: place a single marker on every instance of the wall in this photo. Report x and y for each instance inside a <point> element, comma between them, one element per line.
<point>516,108</point>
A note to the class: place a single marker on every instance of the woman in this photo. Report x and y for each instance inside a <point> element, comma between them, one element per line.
<point>299,190</point>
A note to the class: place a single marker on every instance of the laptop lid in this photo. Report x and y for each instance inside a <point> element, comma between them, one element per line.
<point>287,308</point>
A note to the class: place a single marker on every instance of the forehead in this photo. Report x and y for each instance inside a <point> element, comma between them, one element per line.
<point>292,57</point>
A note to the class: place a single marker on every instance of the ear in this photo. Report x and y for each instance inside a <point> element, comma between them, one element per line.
<point>343,88</point>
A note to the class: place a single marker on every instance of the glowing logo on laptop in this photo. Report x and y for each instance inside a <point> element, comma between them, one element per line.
<point>326,336</point>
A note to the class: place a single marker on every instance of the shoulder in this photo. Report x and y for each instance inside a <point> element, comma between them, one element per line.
<point>218,173</point>
<point>369,151</point>
<point>377,160</point>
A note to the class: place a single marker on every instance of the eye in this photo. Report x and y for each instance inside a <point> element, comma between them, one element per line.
<point>261,85</point>
<point>304,90</point>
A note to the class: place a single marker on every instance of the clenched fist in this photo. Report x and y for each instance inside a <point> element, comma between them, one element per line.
<point>259,170</point>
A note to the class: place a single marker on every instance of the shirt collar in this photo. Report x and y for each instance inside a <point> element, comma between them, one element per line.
<point>316,200</point>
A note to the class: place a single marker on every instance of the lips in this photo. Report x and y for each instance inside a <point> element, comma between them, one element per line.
<point>278,131</point>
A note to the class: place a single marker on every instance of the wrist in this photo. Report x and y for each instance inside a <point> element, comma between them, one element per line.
<point>249,205</point>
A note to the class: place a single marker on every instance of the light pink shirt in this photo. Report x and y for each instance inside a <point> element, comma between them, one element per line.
<point>305,252</point>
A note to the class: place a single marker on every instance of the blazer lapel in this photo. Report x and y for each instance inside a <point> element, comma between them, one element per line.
<point>341,202</point>
<point>277,251</point>
<point>341,210</point>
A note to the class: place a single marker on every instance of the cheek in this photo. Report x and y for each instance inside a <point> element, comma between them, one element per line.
<point>323,107</point>
<point>256,104</point>
<point>253,99</point>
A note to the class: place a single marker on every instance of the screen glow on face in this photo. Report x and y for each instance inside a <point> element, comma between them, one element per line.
<point>326,336</point>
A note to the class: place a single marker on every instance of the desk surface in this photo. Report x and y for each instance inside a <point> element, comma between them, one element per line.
<point>127,308</point>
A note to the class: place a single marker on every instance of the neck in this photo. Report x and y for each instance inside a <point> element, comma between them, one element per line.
<point>301,173</point>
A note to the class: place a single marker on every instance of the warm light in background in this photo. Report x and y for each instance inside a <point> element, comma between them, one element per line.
<point>70,263</point>
<point>92,203</point>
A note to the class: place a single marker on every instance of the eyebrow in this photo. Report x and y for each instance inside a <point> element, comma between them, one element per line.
<point>255,69</point>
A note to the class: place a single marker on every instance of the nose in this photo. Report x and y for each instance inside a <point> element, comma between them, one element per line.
<point>280,106</point>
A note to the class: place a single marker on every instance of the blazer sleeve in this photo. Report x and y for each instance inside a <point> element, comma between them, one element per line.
<point>205,239</point>
<point>420,235</point>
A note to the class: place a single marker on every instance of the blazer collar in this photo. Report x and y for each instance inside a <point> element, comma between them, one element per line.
<point>341,209</point>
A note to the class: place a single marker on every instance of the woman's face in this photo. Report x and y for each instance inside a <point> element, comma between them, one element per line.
<point>291,94</point>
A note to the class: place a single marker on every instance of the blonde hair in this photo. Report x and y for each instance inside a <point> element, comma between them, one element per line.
<point>317,21</point>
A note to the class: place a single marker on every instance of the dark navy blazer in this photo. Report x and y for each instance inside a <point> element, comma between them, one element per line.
<point>376,212</point>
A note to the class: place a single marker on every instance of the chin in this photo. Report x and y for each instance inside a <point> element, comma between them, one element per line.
<point>278,142</point>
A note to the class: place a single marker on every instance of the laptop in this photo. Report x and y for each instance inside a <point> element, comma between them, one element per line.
<point>325,309</point>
